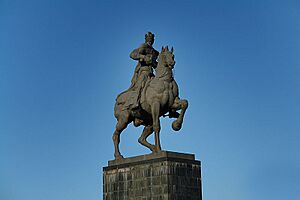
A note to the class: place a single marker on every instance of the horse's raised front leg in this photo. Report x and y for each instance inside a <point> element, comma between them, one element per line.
<point>155,109</point>
<point>179,104</point>
<point>121,125</point>
<point>148,130</point>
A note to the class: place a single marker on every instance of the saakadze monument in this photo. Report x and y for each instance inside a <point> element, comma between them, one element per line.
<point>153,93</point>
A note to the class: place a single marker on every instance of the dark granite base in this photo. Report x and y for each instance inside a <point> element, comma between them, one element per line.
<point>162,176</point>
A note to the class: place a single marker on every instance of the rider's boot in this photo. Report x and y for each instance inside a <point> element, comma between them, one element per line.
<point>137,122</point>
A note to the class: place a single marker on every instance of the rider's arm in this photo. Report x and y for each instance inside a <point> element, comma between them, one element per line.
<point>137,54</point>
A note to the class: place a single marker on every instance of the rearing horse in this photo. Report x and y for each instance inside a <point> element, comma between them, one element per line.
<point>159,96</point>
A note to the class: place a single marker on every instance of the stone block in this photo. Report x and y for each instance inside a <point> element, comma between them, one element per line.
<point>161,176</point>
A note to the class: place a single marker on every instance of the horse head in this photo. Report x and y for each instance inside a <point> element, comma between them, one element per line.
<point>166,57</point>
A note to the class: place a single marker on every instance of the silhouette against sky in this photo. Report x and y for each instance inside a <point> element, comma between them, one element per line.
<point>62,63</point>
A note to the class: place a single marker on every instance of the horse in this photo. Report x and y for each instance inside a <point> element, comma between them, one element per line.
<point>159,97</point>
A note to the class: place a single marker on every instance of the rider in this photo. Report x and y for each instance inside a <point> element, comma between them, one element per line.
<point>146,56</point>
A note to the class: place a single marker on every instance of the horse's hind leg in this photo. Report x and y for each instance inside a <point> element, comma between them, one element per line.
<point>148,130</point>
<point>121,125</point>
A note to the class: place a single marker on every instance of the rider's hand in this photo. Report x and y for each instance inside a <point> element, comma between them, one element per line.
<point>148,59</point>
<point>142,57</point>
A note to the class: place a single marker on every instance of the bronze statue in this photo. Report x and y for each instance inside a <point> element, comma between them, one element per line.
<point>149,97</point>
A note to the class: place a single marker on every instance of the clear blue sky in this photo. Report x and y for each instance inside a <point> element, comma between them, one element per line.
<point>63,62</point>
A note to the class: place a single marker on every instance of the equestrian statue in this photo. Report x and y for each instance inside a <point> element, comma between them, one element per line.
<point>150,95</point>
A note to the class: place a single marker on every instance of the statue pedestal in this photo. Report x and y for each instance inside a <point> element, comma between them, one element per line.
<point>160,176</point>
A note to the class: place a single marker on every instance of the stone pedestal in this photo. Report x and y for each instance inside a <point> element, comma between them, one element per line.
<point>161,176</point>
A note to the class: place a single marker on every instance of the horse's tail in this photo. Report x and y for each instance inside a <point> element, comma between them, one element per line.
<point>117,110</point>
<point>123,102</point>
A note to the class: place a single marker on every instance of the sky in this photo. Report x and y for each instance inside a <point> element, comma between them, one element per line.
<point>62,64</point>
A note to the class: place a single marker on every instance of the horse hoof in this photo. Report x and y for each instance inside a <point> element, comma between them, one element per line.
<point>156,151</point>
<point>118,157</point>
<point>176,126</point>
